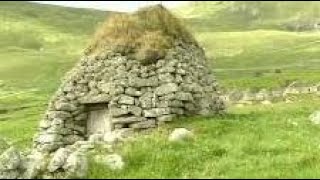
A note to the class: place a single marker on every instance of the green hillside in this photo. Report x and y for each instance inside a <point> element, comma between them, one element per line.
<point>245,39</point>
<point>244,15</point>
<point>40,42</point>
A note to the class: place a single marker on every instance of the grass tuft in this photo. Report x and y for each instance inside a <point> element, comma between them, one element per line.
<point>146,34</point>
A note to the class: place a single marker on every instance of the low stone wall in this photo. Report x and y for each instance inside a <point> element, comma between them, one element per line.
<point>267,97</point>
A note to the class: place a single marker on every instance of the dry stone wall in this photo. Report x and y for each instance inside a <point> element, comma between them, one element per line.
<point>137,96</point>
<point>270,96</point>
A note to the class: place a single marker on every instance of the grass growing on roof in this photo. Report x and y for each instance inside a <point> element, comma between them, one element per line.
<point>147,34</point>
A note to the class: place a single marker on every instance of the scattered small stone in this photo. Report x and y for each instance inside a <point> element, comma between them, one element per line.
<point>59,159</point>
<point>180,134</point>
<point>10,159</point>
<point>292,122</point>
<point>288,101</point>
<point>110,138</point>
<point>315,117</point>
<point>76,165</point>
<point>239,105</point>
<point>10,162</point>
<point>34,164</point>
<point>266,102</point>
<point>115,162</point>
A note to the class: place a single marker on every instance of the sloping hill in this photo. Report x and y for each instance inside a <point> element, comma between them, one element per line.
<point>62,19</point>
<point>249,15</point>
<point>40,42</point>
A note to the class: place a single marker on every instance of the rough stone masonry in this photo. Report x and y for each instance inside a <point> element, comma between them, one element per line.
<point>137,96</point>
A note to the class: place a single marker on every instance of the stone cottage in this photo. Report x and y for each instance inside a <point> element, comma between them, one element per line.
<point>115,87</point>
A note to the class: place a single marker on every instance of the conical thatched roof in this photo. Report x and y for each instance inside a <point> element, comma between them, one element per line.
<point>150,30</point>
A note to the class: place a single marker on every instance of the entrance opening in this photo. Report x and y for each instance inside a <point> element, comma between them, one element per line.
<point>99,119</point>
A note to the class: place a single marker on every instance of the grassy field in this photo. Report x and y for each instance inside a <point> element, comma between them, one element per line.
<point>39,43</point>
<point>238,56</point>
<point>275,141</point>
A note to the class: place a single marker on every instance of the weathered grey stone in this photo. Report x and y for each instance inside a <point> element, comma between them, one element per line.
<point>111,138</point>
<point>133,92</point>
<point>176,103</point>
<point>179,78</point>
<point>181,71</point>
<point>13,174</point>
<point>118,126</point>
<point>139,82</point>
<point>56,129</point>
<point>124,133</point>
<point>59,115</point>
<point>49,138</point>
<point>166,78</point>
<point>166,118</point>
<point>147,100</point>
<point>156,112</point>
<point>87,147</point>
<point>77,112</point>
<point>190,106</point>
<point>182,96</point>
<point>126,100</point>
<point>81,117</point>
<point>10,160</point>
<point>166,70</point>
<point>69,125</point>
<point>49,147</point>
<point>68,87</point>
<point>135,110</point>
<point>35,163</point>
<point>168,97</point>
<point>71,139</point>
<point>166,89</point>
<point>178,111</point>
<point>76,165</point>
<point>56,122</point>
<point>163,104</point>
<point>62,106</point>
<point>116,112</point>
<point>113,161</point>
<point>99,98</point>
<point>81,143</point>
<point>111,88</point>
<point>123,120</point>
<point>144,124</point>
<point>45,123</point>
<point>71,96</point>
<point>266,102</point>
<point>180,134</point>
<point>80,129</point>
<point>58,160</point>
